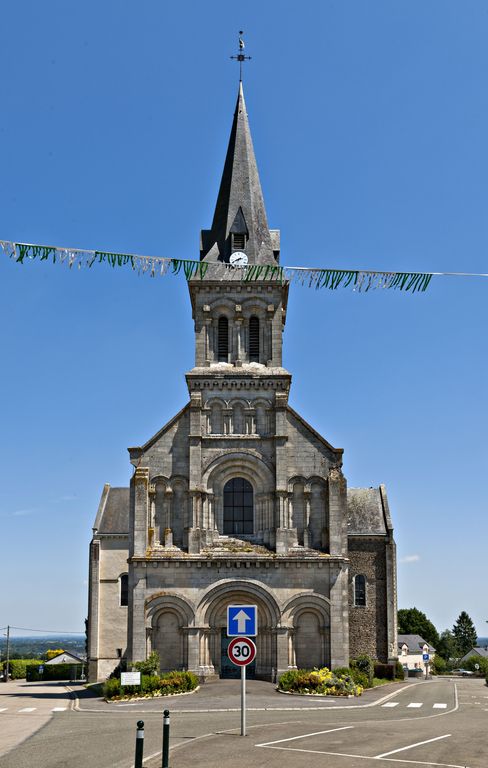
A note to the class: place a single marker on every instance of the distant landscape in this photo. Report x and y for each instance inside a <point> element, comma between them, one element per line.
<point>36,647</point>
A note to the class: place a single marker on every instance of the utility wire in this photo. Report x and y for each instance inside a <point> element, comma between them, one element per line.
<point>45,631</point>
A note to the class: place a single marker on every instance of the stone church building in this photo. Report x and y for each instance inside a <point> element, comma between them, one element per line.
<point>237,500</point>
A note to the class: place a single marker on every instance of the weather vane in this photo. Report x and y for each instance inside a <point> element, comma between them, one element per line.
<point>241,56</point>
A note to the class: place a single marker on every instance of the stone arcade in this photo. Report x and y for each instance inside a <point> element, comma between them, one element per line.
<point>237,499</point>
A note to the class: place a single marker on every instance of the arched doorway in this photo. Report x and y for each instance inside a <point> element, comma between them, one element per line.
<point>213,613</point>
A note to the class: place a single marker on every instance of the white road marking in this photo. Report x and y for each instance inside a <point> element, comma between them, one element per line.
<point>368,757</point>
<point>59,709</point>
<point>28,709</point>
<point>4,709</point>
<point>390,704</point>
<point>440,706</point>
<point>411,746</point>
<point>304,736</point>
<point>415,705</point>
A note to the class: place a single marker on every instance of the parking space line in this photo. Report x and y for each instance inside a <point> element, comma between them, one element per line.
<point>411,746</point>
<point>304,736</point>
<point>415,705</point>
<point>367,757</point>
<point>440,706</point>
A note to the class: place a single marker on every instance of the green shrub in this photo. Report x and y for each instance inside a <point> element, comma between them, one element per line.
<point>111,688</point>
<point>54,672</point>
<point>365,664</point>
<point>342,671</point>
<point>384,671</point>
<point>438,665</point>
<point>360,678</point>
<point>319,681</point>
<point>150,666</point>
<point>399,671</point>
<point>471,664</point>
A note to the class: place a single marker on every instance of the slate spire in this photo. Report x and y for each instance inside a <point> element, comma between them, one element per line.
<point>240,221</point>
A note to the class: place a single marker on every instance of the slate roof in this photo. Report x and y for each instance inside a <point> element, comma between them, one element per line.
<point>367,515</point>
<point>240,204</point>
<point>415,643</point>
<point>368,512</point>
<point>478,651</point>
<point>113,511</point>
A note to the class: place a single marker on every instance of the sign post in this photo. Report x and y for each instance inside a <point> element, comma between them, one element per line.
<point>242,651</point>
<point>426,659</point>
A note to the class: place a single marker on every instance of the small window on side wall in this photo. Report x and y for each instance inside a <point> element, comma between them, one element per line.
<point>124,589</point>
<point>360,590</point>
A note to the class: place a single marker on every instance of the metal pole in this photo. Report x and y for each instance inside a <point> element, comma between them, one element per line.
<point>165,752</point>
<point>243,700</point>
<point>139,744</point>
<point>7,668</point>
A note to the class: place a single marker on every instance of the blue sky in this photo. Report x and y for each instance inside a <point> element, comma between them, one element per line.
<point>369,123</point>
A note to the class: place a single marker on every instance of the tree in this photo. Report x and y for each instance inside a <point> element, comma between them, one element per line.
<point>447,647</point>
<point>465,633</point>
<point>411,621</point>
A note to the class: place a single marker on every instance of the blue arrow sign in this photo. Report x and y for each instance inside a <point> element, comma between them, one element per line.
<point>242,620</point>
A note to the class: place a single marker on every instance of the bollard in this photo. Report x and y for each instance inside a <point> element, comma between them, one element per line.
<point>139,744</point>
<point>165,752</point>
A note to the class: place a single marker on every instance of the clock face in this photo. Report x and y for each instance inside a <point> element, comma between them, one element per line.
<point>238,259</point>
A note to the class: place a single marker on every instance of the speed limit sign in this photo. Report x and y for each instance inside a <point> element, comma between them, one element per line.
<point>241,651</point>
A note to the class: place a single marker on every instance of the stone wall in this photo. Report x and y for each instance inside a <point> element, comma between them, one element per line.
<point>368,624</point>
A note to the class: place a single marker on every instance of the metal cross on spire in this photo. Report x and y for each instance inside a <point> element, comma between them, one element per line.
<point>241,56</point>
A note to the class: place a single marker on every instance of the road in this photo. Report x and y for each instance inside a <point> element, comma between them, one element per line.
<point>440,723</point>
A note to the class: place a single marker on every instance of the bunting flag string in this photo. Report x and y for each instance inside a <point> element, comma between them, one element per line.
<point>312,277</point>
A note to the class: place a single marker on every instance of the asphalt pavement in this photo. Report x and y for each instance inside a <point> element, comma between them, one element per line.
<point>439,723</point>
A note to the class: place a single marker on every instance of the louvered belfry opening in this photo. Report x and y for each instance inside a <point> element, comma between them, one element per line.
<point>254,339</point>
<point>238,241</point>
<point>223,340</point>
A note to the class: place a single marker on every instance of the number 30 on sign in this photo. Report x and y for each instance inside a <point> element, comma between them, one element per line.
<point>241,651</point>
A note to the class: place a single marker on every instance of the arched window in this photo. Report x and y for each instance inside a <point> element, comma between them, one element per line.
<point>223,340</point>
<point>254,339</point>
<point>360,589</point>
<point>124,589</point>
<point>238,506</point>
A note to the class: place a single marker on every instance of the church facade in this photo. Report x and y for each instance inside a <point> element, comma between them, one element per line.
<point>237,500</point>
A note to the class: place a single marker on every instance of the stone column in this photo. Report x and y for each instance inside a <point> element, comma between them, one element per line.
<point>239,353</point>
<point>281,530</point>
<point>136,645</point>
<point>282,650</point>
<point>153,534</point>
<point>94,603</point>
<point>192,635</point>
<point>292,659</point>
<point>207,330</point>
<point>139,503</point>
<point>339,615</point>
<point>168,531</point>
<point>307,536</point>
<point>337,489</point>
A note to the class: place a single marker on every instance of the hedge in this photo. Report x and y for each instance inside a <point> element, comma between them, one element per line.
<point>18,667</point>
<point>55,672</point>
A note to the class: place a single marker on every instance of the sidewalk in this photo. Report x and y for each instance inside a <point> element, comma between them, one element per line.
<point>26,707</point>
